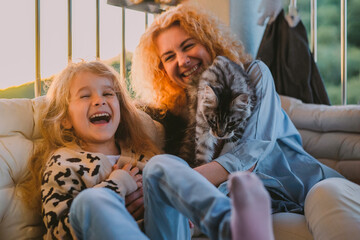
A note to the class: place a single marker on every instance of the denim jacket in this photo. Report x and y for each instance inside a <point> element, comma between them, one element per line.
<point>272,142</point>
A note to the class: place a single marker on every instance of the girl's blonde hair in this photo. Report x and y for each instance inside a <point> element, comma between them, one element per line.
<point>130,132</point>
<point>149,78</point>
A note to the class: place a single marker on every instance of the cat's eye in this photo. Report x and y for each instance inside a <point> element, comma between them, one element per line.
<point>211,122</point>
<point>231,125</point>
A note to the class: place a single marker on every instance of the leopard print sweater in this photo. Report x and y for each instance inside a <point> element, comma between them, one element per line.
<point>66,174</point>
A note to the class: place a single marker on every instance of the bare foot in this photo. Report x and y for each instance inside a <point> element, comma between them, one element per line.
<point>251,208</point>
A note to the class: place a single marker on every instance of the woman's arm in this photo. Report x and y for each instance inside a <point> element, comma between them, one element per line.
<point>215,173</point>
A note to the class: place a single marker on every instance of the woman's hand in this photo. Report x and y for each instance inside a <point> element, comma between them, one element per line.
<point>134,203</point>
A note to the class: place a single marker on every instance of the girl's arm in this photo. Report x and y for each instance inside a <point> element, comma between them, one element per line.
<point>57,193</point>
<point>66,174</point>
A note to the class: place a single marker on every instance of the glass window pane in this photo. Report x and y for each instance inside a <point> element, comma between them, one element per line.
<point>329,58</point>
<point>53,37</point>
<point>17,41</point>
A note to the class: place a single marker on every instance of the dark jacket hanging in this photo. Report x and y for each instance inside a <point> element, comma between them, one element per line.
<point>286,52</point>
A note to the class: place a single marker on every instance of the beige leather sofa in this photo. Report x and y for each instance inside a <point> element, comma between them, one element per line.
<point>331,134</point>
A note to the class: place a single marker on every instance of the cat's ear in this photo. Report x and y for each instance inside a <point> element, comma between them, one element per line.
<point>210,94</point>
<point>242,99</point>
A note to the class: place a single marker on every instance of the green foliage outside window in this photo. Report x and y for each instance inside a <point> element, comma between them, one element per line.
<point>328,42</point>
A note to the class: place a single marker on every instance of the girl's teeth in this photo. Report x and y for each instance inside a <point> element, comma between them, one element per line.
<point>99,115</point>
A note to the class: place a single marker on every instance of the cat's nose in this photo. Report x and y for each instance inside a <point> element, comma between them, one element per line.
<point>220,133</point>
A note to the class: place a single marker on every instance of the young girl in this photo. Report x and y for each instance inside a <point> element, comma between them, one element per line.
<point>93,139</point>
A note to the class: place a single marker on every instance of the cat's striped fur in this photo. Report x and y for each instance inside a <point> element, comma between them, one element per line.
<point>220,103</point>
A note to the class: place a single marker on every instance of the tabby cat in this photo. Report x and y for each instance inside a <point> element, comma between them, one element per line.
<point>220,103</point>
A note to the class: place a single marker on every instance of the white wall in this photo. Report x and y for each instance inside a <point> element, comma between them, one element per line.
<point>244,16</point>
<point>241,16</point>
<point>221,8</point>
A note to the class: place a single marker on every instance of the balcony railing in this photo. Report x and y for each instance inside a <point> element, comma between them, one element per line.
<point>313,42</point>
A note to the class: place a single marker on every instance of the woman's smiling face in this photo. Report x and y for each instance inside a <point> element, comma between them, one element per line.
<point>182,56</point>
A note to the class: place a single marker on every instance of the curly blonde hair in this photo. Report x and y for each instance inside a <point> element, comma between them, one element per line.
<point>149,79</point>
<point>131,131</point>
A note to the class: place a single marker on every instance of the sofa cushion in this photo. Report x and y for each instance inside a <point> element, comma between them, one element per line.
<point>17,126</point>
<point>329,133</point>
<point>16,117</point>
<point>336,145</point>
<point>322,118</point>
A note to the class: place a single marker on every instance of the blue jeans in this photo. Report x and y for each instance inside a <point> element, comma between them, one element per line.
<point>173,192</point>
<point>100,213</point>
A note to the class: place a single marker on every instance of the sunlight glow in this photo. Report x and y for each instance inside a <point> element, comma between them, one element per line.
<point>17,44</point>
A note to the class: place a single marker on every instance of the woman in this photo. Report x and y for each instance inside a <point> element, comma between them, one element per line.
<point>180,44</point>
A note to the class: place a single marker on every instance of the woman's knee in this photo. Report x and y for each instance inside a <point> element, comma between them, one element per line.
<point>332,209</point>
<point>331,190</point>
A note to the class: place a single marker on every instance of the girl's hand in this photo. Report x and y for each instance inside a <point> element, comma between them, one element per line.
<point>132,171</point>
<point>134,203</point>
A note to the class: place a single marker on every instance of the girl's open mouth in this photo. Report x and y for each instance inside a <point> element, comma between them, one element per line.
<point>100,118</point>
